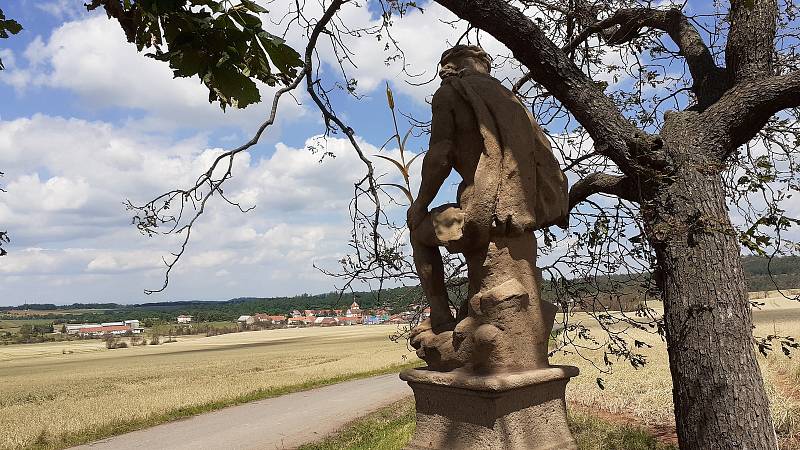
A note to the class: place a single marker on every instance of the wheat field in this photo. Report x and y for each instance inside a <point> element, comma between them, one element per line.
<point>74,388</point>
<point>59,389</point>
<point>644,395</point>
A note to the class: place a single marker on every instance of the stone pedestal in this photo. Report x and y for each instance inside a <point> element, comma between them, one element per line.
<point>514,410</point>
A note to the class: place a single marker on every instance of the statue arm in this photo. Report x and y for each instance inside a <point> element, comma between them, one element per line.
<point>438,161</point>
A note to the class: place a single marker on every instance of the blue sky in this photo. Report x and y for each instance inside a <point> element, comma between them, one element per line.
<point>86,122</point>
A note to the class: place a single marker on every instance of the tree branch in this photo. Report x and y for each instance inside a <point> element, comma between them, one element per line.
<point>602,183</point>
<point>751,38</point>
<point>709,79</point>
<point>744,110</point>
<point>614,136</point>
<point>115,10</point>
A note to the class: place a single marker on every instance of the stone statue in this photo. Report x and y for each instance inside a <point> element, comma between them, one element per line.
<point>497,343</point>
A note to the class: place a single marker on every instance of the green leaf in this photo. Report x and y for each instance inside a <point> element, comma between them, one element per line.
<point>7,26</point>
<point>12,26</point>
<point>245,19</point>
<point>285,58</point>
<point>252,6</point>
<point>234,88</point>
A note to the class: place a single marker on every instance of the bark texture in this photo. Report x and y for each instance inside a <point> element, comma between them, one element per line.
<point>718,392</point>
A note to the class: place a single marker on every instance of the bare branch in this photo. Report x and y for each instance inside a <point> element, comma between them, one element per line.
<point>156,212</point>
<point>626,25</point>
<point>603,183</point>
<point>744,110</point>
<point>614,136</point>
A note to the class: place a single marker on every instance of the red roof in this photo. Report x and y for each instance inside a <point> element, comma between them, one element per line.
<point>107,329</point>
<point>302,319</point>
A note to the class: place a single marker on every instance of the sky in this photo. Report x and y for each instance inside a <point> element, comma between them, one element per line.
<point>86,122</point>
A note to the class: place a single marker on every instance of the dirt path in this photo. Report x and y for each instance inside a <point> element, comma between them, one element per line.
<point>276,423</point>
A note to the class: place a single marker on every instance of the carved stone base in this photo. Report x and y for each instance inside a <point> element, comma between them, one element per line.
<point>518,410</point>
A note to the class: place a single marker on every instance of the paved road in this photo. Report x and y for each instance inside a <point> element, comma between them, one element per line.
<point>275,423</point>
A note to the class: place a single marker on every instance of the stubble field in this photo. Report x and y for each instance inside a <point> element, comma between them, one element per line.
<point>644,396</point>
<point>56,394</point>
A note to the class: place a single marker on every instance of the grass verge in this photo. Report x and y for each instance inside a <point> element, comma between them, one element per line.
<point>391,428</point>
<point>46,441</point>
<point>388,428</point>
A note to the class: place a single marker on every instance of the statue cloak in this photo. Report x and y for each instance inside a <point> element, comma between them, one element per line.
<point>519,186</point>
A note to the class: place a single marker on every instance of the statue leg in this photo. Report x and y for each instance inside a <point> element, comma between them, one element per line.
<point>430,269</point>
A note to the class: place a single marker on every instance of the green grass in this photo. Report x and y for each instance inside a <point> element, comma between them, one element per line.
<point>391,428</point>
<point>13,325</point>
<point>592,433</point>
<point>46,441</point>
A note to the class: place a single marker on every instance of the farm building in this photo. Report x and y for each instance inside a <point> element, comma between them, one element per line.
<point>104,330</point>
<point>266,318</point>
<point>74,328</point>
<point>376,319</point>
<point>184,319</point>
<point>301,321</point>
<point>353,320</point>
<point>326,322</point>
<point>246,320</point>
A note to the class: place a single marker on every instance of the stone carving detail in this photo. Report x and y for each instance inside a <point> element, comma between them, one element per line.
<point>512,185</point>
<point>491,358</point>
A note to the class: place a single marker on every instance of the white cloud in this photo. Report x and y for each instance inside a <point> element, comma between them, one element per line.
<point>60,9</point>
<point>66,179</point>
<point>92,58</point>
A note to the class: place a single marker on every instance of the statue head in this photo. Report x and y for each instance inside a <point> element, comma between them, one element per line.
<point>464,57</point>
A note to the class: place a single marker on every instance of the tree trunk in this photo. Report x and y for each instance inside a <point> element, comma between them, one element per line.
<point>718,391</point>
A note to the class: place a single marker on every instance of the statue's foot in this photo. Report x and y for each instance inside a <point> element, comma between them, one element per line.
<point>435,346</point>
<point>428,325</point>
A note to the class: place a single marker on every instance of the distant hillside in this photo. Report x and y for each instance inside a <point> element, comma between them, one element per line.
<point>785,275</point>
<point>763,275</point>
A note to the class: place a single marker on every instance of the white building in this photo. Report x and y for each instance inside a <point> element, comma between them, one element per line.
<point>184,319</point>
<point>246,320</point>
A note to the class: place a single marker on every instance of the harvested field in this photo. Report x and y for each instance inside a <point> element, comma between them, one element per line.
<point>55,394</point>
<point>50,397</point>
<point>644,395</point>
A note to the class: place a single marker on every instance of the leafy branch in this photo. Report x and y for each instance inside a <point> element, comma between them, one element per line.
<point>7,27</point>
<point>224,44</point>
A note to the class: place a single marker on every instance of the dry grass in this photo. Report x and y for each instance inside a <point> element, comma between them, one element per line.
<point>47,393</point>
<point>645,394</point>
<point>77,388</point>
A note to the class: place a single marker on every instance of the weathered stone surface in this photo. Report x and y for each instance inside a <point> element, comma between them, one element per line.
<point>488,383</point>
<point>511,186</point>
<point>523,410</point>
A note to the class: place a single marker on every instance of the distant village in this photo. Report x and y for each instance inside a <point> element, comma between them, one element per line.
<point>354,315</point>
